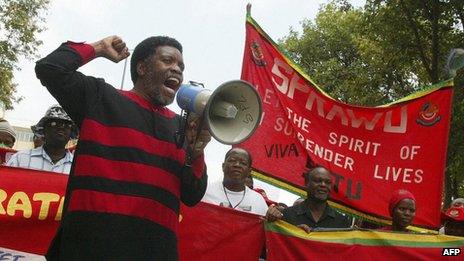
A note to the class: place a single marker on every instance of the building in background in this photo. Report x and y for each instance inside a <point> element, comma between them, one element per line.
<point>23,138</point>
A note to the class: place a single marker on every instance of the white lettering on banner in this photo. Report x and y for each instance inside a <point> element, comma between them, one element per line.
<point>299,121</point>
<point>398,174</point>
<point>353,144</point>
<point>262,118</point>
<point>388,127</point>
<point>355,122</point>
<point>282,124</point>
<point>328,155</point>
<point>267,96</point>
<point>285,87</point>
<point>290,84</point>
<point>275,70</point>
<point>270,98</point>
<point>409,153</point>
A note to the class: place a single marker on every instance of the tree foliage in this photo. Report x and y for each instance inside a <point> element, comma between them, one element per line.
<point>383,51</point>
<point>20,22</point>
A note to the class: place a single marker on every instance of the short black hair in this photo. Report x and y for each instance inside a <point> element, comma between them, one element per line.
<point>230,151</point>
<point>147,48</point>
<point>309,172</point>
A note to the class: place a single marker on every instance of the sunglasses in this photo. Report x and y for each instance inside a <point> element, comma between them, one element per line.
<point>59,124</point>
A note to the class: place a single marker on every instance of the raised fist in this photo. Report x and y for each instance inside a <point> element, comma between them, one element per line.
<point>112,48</point>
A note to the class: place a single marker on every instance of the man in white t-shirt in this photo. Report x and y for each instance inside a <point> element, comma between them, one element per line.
<point>231,191</point>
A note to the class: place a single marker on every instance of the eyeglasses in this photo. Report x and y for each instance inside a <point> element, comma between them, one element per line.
<point>59,124</point>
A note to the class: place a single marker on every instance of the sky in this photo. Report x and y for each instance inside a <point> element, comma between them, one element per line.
<point>212,33</point>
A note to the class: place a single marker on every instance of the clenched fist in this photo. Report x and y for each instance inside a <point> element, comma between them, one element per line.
<point>112,48</point>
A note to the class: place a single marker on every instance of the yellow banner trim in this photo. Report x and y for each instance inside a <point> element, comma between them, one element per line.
<point>424,91</point>
<point>366,235</point>
<point>300,192</point>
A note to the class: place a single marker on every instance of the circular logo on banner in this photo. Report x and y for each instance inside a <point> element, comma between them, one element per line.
<point>428,116</point>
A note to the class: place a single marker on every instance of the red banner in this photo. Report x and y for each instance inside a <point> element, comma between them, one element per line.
<point>5,154</point>
<point>286,242</point>
<point>29,216</point>
<point>370,151</point>
<point>209,232</point>
<point>30,208</point>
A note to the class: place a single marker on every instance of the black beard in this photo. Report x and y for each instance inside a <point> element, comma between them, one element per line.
<point>157,99</point>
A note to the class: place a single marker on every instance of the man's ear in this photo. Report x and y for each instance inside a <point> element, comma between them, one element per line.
<point>223,166</point>
<point>141,68</point>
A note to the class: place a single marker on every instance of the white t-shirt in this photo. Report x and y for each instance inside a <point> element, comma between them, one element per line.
<point>247,201</point>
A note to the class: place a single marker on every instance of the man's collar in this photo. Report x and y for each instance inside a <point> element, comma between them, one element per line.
<point>39,151</point>
<point>142,102</point>
<point>69,156</point>
<point>302,209</point>
<point>245,188</point>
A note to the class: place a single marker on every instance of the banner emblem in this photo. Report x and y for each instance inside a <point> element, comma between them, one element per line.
<point>429,115</point>
<point>258,56</point>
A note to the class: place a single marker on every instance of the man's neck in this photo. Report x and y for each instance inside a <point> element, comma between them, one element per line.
<point>55,153</point>
<point>137,90</point>
<point>234,187</point>
<point>398,228</point>
<point>316,208</point>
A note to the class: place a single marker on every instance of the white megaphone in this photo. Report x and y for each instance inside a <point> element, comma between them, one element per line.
<point>232,112</point>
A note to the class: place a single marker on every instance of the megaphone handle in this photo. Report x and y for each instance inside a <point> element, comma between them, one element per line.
<point>190,149</point>
<point>180,133</point>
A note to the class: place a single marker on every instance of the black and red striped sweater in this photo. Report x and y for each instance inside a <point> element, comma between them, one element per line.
<point>128,177</point>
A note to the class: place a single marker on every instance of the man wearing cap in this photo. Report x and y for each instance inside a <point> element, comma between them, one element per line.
<point>457,203</point>
<point>56,128</point>
<point>454,221</point>
<point>7,135</point>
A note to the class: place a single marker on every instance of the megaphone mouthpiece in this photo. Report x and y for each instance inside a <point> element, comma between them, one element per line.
<point>224,109</point>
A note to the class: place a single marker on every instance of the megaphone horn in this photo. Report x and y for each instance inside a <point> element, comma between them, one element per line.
<point>232,112</point>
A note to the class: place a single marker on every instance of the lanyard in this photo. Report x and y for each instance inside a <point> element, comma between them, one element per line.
<point>227,197</point>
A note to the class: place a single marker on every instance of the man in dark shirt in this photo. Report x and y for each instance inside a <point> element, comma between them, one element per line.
<point>129,175</point>
<point>314,212</point>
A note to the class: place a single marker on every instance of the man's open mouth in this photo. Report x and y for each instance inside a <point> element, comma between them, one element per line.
<point>172,83</point>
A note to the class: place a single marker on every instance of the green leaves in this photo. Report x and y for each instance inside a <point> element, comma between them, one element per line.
<point>20,22</point>
<point>382,52</point>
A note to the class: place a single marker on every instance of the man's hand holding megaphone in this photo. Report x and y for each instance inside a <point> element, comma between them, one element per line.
<point>197,138</point>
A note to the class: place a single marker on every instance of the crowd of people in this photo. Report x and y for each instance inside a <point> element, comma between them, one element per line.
<point>128,175</point>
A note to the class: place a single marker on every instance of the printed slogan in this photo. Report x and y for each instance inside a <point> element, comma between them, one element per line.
<point>371,151</point>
